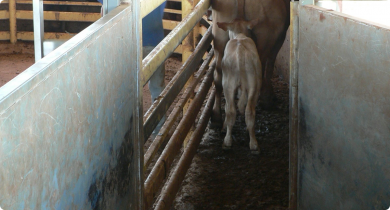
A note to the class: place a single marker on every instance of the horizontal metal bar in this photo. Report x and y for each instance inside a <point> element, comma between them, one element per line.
<point>169,193</point>
<point>158,141</point>
<point>170,42</point>
<point>4,15</point>
<point>160,170</point>
<point>70,3</point>
<point>187,70</point>
<point>61,16</point>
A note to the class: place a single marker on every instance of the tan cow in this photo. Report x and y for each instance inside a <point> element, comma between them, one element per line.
<point>241,69</point>
<point>268,36</point>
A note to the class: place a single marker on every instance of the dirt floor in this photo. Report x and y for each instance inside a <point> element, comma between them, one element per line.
<point>236,179</point>
<point>13,64</point>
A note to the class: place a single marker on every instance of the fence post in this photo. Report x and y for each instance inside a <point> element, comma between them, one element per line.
<point>12,21</point>
<point>188,46</point>
<point>38,29</point>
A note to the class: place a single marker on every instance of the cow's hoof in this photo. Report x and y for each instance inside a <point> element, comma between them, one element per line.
<point>255,152</point>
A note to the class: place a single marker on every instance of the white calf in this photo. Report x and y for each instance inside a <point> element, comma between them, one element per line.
<point>241,69</point>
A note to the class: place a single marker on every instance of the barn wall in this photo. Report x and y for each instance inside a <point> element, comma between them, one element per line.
<point>282,63</point>
<point>68,123</point>
<point>344,112</point>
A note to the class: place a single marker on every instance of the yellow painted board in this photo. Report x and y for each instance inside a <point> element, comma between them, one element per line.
<point>203,30</point>
<point>179,49</point>
<point>60,16</point>
<point>4,15</point>
<point>4,35</point>
<point>170,24</point>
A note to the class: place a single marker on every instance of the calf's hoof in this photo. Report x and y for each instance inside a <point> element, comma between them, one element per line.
<point>254,147</point>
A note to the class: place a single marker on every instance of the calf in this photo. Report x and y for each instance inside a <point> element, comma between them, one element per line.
<point>241,69</point>
<point>268,36</point>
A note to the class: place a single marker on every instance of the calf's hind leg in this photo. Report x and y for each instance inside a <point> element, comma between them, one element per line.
<point>250,113</point>
<point>230,111</point>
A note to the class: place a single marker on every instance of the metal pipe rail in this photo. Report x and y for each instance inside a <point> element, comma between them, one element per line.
<point>166,47</point>
<point>169,94</point>
<point>158,141</point>
<point>169,193</point>
<point>161,168</point>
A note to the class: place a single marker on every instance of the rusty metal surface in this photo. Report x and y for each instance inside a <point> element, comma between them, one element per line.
<point>344,112</point>
<point>163,133</point>
<point>67,138</point>
<point>168,194</point>
<point>187,70</point>
<point>163,164</point>
<point>293,106</point>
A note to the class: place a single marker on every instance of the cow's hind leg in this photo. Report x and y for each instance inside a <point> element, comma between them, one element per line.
<point>219,46</point>
<point>230,111</point>
<point>267,96</point>
<point>250,113</point>
<point>216,117</point>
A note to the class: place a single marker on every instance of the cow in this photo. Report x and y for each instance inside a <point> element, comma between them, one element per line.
<point>241,70</point>
<point>268,36</point>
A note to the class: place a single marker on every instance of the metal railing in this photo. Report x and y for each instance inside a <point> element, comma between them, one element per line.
<point>158,174</point>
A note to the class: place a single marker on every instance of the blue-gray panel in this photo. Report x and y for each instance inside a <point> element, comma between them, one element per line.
<point>67,123</point>
<point>344,112</point>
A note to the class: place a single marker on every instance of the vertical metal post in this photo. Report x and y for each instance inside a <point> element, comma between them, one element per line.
<point>188,46</point>
<point>139,125</point>
<point>109,5</point>
<point>105,7</point>
<point>294,37</point>
<point>196,30</point>
<point>12,21</point>
<point>38,28</point>
<point>188,42</point>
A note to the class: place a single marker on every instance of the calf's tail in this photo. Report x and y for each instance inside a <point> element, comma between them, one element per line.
<point>243,80</point>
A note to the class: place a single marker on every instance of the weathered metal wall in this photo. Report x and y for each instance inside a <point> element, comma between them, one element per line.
<point>344,112</point>
<point>69,125</point>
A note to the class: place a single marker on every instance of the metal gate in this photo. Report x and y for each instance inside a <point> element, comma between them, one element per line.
<point>340,111</point>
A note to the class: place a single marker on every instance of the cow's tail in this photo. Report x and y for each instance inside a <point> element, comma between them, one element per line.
<point>243,83</point>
